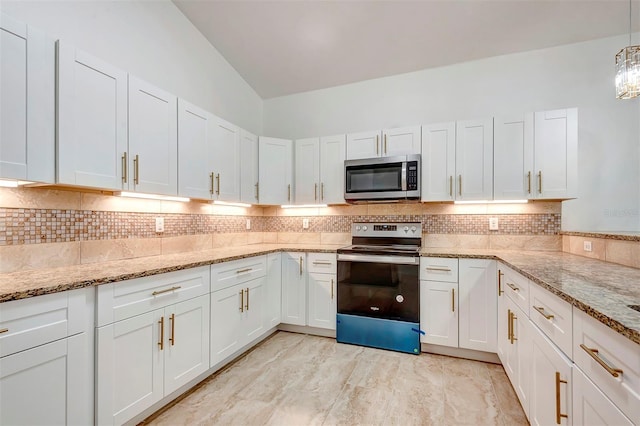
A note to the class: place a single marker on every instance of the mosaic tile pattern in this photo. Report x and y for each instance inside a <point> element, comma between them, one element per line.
<point>33,226</point>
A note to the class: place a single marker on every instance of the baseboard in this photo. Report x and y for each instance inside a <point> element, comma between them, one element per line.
<point>461,353</point>
<point>307,330</point>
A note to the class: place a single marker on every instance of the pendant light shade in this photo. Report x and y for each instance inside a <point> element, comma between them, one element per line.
<point>628,69</point>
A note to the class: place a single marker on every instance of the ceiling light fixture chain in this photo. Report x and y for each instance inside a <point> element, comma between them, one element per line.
<point>628,67</point>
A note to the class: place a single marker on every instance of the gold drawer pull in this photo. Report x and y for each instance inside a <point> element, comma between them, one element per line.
<point>509,325</point>
<point>239,271</point>
<point>513,287</point>
<point>172,339</point>
<point>218,180</point>
<point>166,290</point>
<point>540,309</point>
<point>500,274</point>
<point>322,263</point>
<point>559,415</point>
<point>161,342</point>
<point>615,372</point>
<point>124,167</point>
<point>513,334</point>
<point>453,300</point>
<point>213,185</point>
<point>331,288</point>
<point>246,306</point>
<point>300,265</point>
<point>136,170</point>
<point>242,300</point>
<point>4,330</point>
<point>435,268</point>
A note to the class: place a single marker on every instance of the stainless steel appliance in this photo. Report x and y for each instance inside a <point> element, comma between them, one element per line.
<point>383,179</point>
<point>379,287</point>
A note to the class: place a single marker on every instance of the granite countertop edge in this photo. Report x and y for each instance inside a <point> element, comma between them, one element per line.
<point>632,236</point>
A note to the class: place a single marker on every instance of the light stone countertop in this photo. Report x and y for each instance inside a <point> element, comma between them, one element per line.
<point>603,290</point>
<point>613,235</point>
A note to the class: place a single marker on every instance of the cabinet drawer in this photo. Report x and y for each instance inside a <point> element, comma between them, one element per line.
<point>439,269</point>
<point>553,316</point>
<point>38,320</point>
<point>323,263</point>
<point>516,287</point>
<point>228,274</point>
<point>121,300</point>
<point>615,352</point>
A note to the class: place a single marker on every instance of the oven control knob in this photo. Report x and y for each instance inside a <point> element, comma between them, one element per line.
<point>364,228</point>
<point>406,229</point>
<point>357,228</point>
<point>413,229</point>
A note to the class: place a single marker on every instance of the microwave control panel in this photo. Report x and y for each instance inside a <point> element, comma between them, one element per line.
<point>412,176</point>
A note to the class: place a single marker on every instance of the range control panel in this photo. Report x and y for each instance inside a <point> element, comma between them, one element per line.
<point>397,229</point>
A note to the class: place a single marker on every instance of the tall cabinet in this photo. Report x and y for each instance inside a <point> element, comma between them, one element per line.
<point>248,167</point>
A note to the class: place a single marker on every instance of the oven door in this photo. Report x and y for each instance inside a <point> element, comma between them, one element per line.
<point>379,286</point>
<point>376,178</point>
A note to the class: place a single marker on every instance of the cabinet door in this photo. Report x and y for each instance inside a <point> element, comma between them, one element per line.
<point>54,376</point>
<point>294,289</point>
<point>504,329</point>
<point>332,155</point>
<point>439,313</point>
<point>130,365</point>
<point>591,407</point>
<point>227,306</point>
<point>27,102</point>
<point>474,160</point>
<point>187,342</point>
<point>513,157</point>
<point>550,373</point>
<point>226,160</point>
<point>194,151</point>
<point>556,153</point>
<point>248,167</point>
<point>438,161</point>
<point>401,141</point>
<point>478,304</point>
<point>307,170</point>
<point>275,158</point>
<point>253,324</point>
<point>322,300</point>
<point>153,139</point>
<point>273,289</point>
<point>363,145</point>
<point>518,359</point>
<point>92,121</point>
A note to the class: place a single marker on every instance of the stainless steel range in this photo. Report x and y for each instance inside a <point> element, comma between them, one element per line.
<point>379,287</point>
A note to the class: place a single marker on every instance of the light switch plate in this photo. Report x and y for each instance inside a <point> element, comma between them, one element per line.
<point>248,223</point>
<point>159,224</point>
<point>305,223</point>
<point>493,224</point>
<point>587,246</point>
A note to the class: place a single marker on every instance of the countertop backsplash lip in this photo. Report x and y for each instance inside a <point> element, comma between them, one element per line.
<point>607,235</point>
<point>602,290</point>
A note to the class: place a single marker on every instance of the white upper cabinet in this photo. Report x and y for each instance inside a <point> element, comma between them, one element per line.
<point>226,160</point>
<point>438,161</point>
<point>275,157</point>
<point>400,141</point>
<point>153,139</point>
<point>248,167</point>
<point>27,103</point>
<point>332,155</point>
<point>556,154</point>
<point>474,160</point>
<point>513,157</point>
<point>194,151</point>
<point>307,170</point>
<point>92,121</point>
<point>385,143</point>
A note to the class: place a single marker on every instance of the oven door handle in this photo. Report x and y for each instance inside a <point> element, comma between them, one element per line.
<point>397,260</point>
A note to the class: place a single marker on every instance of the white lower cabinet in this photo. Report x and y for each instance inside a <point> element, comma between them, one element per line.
<point>478,305</point>
<point>294,288</point>
<point>551,383</point>
<point>322,300</point>
<point>591,407</point>
<point>273,289</point>
<point>439,313</point>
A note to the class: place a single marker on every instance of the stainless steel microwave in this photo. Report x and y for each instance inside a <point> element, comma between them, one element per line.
<point>382,179</point>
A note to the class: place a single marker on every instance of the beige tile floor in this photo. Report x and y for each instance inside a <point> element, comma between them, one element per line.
<point>296,379</point>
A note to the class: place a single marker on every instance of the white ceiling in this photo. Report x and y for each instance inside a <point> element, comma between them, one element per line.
<point>286,47</point>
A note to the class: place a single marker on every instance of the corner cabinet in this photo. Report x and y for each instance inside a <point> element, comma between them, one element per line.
<point>248,167</point>
<point>275,158</point>
<point>27,102</point>
<point>226,160</point>
<point>294,288</point>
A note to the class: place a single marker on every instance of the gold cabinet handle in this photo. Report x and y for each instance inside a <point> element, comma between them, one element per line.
<point>161,342</point>
<point>172,339</point>
<point>136,170</point>
<point>166,290</point>
<point>513,334</point>
<point>540,309</point>
<point>331,288</point>
<point>377,149</point>
<point>460,189</point>
<point>615,372</point>
<point>437,268</point>
<point>509,324</point>
<point>513,287</point>
<point>451,186</point>
<point>124,167</point>
<point>500,274</point>
<point>385,144</point>
<point>4,330</point>
<point>242,300</point>
<point>300,265</point>
<point>540,182</point>
<point>240,271</point>
<point>529,182</point>
<point>246,305</point>
<point>453,300</point>
<point>218,181</point>
<point>317,262</point>
<point>322,191</point>
<point>213,185</point>
<point>559,415</point>
<point>257,190</point>
<point>315,191</point>
<point>289,192</point>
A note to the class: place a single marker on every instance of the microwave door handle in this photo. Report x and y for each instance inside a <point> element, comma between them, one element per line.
<point>404,176</point>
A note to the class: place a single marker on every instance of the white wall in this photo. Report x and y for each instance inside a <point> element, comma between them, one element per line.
<point>580,75</point>
<point>154,41</point>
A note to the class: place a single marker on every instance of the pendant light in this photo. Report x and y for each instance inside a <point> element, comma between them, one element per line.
<point>628,69</point>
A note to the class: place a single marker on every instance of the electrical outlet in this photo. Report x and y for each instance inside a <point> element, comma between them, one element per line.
<point>493,224</point>
<point>587,246</point>
<point>159,224</point>
<point>305,223</point>
<point>248,223</point>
